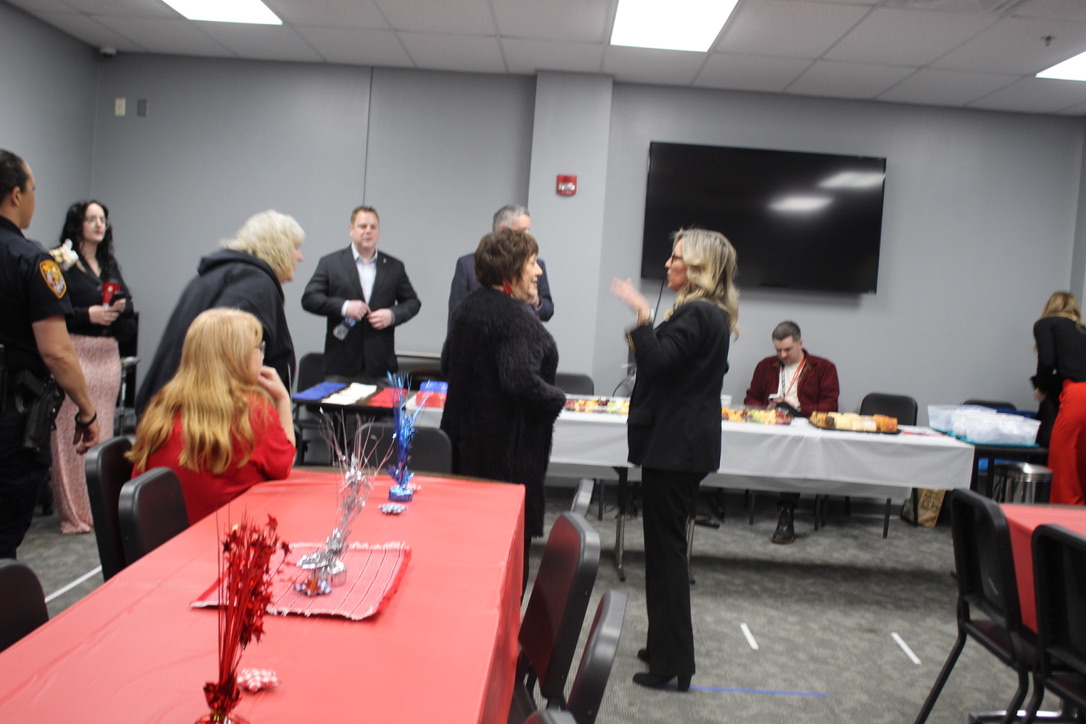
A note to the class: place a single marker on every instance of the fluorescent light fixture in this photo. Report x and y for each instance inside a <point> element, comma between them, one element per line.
<point>1070,69</point>
<point>853,180</point>
<point>670,24</point>
<point>800,204</point>
<point>253,12</point>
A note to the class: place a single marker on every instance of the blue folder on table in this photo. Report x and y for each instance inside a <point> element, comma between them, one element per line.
<point>319,392</point>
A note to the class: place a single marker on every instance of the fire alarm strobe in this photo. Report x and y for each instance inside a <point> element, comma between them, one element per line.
<point>567,185</point>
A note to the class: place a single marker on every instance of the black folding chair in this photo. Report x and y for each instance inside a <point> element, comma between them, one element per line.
<point>106,471</point>
<point>586,692</point>
<point>555,613</point>
<point>986,586</point>
<point>22,602</point>
<point>1059,580</point>
<point>151,510</point>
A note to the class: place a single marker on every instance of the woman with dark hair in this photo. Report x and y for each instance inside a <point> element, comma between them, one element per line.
<point>500,363</point>
<point>102,316</point>
<point>1061,374</point>
<point>673,430</point>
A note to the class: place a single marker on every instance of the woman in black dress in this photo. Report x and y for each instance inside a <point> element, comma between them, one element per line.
<point>674,431</point>
<point>500,363</point>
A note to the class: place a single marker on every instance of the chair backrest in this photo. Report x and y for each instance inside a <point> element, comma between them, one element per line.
<point>582,497</point>
<point>1059,575</point>
<point>590,682</point>
<point>310,370</point>
<point>574,383</point>
<point>431,449</point>
<point>22,602</point>
<point>106,471</point>
<point>556,608</point>
<point>902,407</point>
<point>151,509</point>
<point>994,404</point>
<point>984,561</point>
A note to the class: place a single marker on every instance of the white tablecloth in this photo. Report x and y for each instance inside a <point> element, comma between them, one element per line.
<point>797,457</point>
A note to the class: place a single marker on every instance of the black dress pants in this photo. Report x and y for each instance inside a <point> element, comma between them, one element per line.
<point>669,499</point>
<point>22,473</point>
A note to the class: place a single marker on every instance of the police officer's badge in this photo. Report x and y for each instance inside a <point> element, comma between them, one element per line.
<point>53,277</point>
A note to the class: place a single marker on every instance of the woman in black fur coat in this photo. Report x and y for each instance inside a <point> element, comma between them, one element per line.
<point>500,363</point>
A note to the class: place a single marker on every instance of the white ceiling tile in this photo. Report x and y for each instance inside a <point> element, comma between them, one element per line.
<point>1015,45</point>
<point>848,80</point>
<point>174,36</point>
<point>91,32</point>
<point>750,72</point>
<point>907,37</point>
<point>788,28</point>
<point>454,52</point>
<point>1057,9</point>
<point>465,17</point>
<point>352,46</point>
<point>643,65</point>
<point>330,13</point>
<point>1035,95</point>
<point>586,21</point>
<point>261,42</point>
<point>529,56</point>
<point>931,86</point>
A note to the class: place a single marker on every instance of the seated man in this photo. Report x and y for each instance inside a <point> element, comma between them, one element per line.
<point>799,382</point>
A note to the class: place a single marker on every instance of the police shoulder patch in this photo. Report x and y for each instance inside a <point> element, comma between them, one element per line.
<point>54,277</point>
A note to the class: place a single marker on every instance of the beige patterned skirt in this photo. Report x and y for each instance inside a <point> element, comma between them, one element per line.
<point>101,363</point>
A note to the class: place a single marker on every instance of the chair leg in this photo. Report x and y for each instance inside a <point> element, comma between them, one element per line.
<point>886,520</point>
<point>940,681</point>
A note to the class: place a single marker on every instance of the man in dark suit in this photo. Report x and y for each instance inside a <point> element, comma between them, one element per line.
<point>517,218</point>
<point>364,294</point>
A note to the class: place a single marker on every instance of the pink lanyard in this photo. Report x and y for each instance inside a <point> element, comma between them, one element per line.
<point>786,390</point>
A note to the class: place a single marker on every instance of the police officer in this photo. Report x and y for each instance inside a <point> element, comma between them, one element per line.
<point>34,300</point>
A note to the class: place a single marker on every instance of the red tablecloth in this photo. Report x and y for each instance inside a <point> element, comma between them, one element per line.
<point>444,649</point>
<point>1022,521</point>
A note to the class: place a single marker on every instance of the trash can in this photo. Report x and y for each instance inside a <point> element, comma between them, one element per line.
<point>1014,482</point>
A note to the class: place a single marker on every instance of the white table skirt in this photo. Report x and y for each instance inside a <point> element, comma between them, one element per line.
<point>797,457</point>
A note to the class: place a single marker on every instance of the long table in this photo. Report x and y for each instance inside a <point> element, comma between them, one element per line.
<point>444,649</point>
<point>1022,520</point>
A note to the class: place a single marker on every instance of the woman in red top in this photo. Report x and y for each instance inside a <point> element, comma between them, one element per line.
<point>223,423</point>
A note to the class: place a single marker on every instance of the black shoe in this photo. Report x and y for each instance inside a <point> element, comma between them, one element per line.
<point>643,655</point>
<point>659,681</point>
<point>786,531</point>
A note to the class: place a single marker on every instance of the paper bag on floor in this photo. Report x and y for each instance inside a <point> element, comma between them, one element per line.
<point>928,507</point>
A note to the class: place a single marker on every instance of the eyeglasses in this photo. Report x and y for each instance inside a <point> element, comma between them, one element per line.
<point>675,257</point>
<point>261,347</point>
<point>96,220</point>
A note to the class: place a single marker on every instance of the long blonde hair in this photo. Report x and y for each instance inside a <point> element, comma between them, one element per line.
<point>212,391</point>
<point>710,272</point>
<point>1062,304</point>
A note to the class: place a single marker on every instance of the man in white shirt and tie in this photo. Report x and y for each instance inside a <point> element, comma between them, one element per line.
<point>364,294</point>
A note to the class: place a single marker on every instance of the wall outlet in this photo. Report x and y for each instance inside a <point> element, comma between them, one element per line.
<point>119,106</point>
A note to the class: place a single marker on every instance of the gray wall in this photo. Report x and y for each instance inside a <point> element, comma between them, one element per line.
<point>980,218</point>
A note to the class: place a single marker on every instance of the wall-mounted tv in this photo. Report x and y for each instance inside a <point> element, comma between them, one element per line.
<point>809,221</point>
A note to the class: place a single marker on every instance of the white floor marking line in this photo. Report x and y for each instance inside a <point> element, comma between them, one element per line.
<point>749,635</point>
<point>73,584</point>
<point>905,647</point>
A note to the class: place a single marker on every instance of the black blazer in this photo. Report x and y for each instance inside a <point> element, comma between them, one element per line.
<point>365,351</point>
<point>674,421</point>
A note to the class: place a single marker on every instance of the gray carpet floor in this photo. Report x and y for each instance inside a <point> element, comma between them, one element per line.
<point>796,633</point>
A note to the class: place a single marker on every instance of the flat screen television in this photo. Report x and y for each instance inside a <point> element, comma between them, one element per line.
<point>810,221</point>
